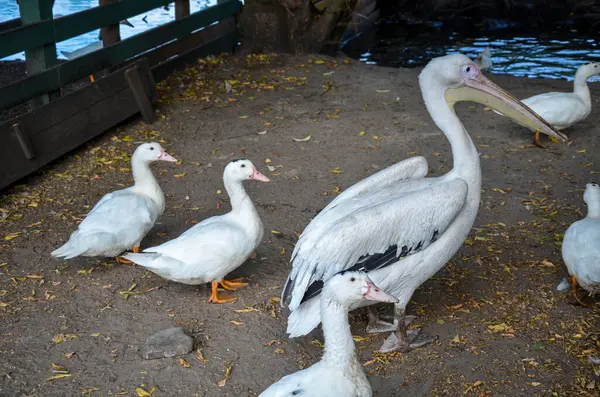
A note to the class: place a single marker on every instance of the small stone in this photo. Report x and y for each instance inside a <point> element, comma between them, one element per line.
<point>167,343</point>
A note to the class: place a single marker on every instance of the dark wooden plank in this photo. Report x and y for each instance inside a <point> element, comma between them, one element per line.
<point>24,141</point>
<point>182,8</point>
<point>59,29</point>
<point>10,24</point>
<point>222,44</point>
<point>115,54</point>
<point>192,41</point>
<point>71,103</point>
<point>52,141</point>
<point>141,93</point>
<point>42,58</point>
<point>110,34</point>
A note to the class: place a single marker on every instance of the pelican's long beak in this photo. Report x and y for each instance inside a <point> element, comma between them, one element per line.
<point>482,90</point>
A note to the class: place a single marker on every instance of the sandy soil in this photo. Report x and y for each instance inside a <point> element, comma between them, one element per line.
<point>503,329</point>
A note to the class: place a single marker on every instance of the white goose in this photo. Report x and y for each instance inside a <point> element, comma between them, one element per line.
<point>563,109</point>
<point>581,244</point>
<point>339,373</point>
<point>121,219</point>
<point>208,251</point>
<point>398,225</point>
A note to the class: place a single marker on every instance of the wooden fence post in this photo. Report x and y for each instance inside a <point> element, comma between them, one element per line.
<point>182,8</point>
<point>39,59</point>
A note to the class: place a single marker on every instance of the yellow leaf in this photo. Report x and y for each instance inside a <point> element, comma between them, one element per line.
<point>375,137</point>
<point>236,323</point>
<point>275,232</point>
<point>180,175</point>
<point>59,376</point>
<point>582,151</point>
<point>336,170</point>
<point>361,133</point>
<point>456,339</point>
<point>279,351</point>
<point>267,160</point>
<point>223,381</point>
<point>56,367</point>
<point>11,236</point>
<point>141,392</point>
<point>246,310</point>
<point>319,62</point>
<point>219,191</point>
<point>381,91</point>
<point>243,117</point>
<point>184,363</point>
<point>4,304</point>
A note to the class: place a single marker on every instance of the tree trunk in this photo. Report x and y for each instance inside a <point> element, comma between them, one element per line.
<point>292,26</point>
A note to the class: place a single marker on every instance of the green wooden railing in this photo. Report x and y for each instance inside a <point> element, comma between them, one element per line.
<point>15,37</point>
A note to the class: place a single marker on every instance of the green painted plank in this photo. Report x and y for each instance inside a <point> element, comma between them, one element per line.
<point>56,30</point>
<point>12,24</point>
<point>26,37</point>
<point>115,54</point>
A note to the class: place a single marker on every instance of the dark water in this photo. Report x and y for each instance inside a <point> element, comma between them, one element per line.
<point>555,55</point>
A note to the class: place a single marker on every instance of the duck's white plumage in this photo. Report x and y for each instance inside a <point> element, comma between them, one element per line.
<point>398,225</point>
<point>484,60</point>
<point>564,109</point>
<point>216,246</point>
<point>581,243</point>
<point>339,373</point>
<point>121,219</point>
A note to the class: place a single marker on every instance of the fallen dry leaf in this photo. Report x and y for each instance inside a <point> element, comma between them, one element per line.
<point>223,381</point>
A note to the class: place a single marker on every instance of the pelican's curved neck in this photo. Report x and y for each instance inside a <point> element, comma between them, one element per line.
<point>464,152</point>
<point>581,88</point>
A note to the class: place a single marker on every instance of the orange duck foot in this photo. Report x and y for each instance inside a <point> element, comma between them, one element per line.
<point>215,298</point>
<point>232,285</point>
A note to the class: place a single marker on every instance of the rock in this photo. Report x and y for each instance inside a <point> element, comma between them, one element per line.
<point>167,343</point>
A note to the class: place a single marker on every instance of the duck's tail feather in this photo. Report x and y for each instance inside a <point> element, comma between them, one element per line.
<point>305,318</point>
<point>91,244</point>
<point>158,263</point>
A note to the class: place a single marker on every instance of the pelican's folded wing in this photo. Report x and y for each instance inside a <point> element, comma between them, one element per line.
<point>374,236</point>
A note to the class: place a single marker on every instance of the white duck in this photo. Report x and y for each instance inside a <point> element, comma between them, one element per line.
<point>211,249</point>
<point>339,373</point>
<point>398,225</point>
<point>121,219</point>
<point>581,244</point>
<point>563,109</point>
<point>484,60</point>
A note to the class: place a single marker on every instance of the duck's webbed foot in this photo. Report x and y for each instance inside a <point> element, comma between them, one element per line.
<point>404,340</point>
<point>216,298</point>
<point>380,323</point>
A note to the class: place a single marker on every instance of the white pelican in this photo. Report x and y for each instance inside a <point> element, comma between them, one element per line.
<point>398,225</point>
<point>581,245</point>
<point>563,109</point>
<point>484,60</point>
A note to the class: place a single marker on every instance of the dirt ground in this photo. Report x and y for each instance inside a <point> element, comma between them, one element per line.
<point>504,330</point>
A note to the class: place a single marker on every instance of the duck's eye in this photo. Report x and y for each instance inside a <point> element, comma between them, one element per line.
<point>151,148</point>
<point>352,279</point>
<point>468,69</point>
<point>243,165</point>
